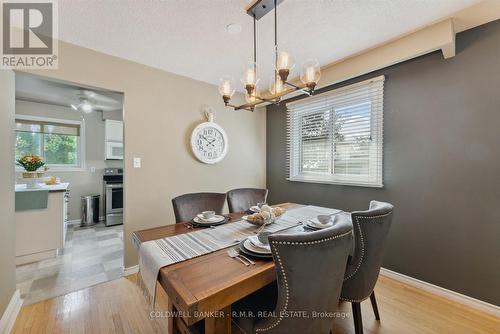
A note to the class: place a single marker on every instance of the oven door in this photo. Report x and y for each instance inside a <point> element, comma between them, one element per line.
<point>114,151</point>
<point>114,198</point>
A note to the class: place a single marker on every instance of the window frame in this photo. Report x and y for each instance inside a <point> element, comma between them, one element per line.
<point>81,166</point>
<point>294,149</point>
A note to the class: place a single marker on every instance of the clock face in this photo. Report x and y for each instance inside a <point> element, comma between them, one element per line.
<point>209,142</point>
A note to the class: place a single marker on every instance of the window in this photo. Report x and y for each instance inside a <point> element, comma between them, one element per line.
<point>58,142</point>
<point>337,137</point>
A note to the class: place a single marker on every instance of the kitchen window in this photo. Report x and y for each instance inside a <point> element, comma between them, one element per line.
<point>58,142</point>
<point>337,137</point>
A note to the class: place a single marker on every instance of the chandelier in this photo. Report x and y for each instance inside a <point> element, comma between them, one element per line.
<point>283,64</point>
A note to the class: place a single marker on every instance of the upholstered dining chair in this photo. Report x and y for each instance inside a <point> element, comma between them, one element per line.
<point>187,206</point>
<point>242,199</point>
<point>371,228</point>
<point>310,268</point>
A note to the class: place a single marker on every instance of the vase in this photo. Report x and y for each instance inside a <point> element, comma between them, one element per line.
<point>30,175</point>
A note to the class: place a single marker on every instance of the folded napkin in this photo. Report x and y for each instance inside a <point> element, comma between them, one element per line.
<point>256,242</point>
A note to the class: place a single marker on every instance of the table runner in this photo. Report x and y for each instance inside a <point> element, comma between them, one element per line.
<point>156,254</point>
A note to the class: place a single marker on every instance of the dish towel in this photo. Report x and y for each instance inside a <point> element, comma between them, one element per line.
<point>156,254</point>
<point>31,200</point>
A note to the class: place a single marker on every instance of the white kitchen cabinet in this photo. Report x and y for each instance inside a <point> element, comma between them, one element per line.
<point>114,131</point>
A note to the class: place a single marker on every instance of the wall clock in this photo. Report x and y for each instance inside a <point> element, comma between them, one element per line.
<point>209,141</point>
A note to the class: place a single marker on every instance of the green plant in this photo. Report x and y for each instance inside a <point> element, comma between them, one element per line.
<point>30,162</point>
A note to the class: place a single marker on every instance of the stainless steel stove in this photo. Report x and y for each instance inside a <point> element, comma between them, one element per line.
<point>113,196</point>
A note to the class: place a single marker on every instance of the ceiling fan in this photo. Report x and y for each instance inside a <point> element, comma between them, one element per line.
<point>86,102</point>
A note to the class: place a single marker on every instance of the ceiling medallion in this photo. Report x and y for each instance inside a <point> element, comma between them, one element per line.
<point>310,71</point>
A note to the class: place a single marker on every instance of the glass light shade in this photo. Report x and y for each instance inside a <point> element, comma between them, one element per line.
<point>226,86</point>
<point>250,98</point>
<point>311,72</point>
<point>285,61</point>
<point>277,85</point>
<point>250,74</point>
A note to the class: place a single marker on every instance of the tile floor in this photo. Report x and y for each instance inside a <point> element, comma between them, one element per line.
<point>92,255</point>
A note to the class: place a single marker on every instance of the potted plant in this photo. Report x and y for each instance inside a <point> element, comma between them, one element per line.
<point>31,163</point>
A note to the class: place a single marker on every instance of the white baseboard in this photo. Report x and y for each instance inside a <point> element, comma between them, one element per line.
<point>9,316</point>
<point>131,270</point>
<point>442,292</point>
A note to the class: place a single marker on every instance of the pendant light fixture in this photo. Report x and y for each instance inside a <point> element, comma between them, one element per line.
<point>283,65</point>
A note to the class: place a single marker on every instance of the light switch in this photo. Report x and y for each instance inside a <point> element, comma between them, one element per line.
<point>137,162</point>
<point>92,169</point>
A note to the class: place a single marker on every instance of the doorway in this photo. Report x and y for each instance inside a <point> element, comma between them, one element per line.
<point>73,237</point>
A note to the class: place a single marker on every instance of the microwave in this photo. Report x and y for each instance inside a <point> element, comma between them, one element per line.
<point>114,151</point>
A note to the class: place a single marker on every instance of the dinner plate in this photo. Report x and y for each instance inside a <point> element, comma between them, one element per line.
<point>198,222</point>
<point>214,219</point>
<point>251,247</point>
<point>254,241</point>
<point>253,254</point>
<point>314,227</point>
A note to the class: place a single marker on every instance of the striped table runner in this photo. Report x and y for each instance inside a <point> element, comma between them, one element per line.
<point>156,254</point>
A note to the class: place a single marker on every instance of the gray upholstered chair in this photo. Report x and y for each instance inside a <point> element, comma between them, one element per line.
<point>310,269</point>
<point>370,232</point>
<point>242,199</point>
<point>187,206</point>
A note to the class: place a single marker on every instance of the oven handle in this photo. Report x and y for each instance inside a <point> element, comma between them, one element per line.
<point>114,185</point>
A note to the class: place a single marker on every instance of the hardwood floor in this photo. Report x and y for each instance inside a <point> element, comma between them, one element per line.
<point>119,307</point>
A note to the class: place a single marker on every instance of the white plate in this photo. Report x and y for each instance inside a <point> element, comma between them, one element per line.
<point>214,219</point>
<point>318,225</point>
<point>255,209</point>
<point>254,240</point>
<point>249,246</point>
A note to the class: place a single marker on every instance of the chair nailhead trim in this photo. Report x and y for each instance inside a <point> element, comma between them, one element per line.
<point>362,243</point>
<point>280,265</point>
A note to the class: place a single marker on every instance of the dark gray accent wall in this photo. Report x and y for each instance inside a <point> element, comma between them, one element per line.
<point>441,166</point>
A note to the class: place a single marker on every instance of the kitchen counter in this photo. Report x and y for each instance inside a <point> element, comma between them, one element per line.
<point>51,188</point>
<point>41,231</point>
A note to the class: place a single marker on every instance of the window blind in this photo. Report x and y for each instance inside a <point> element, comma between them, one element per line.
<point>47,127</point>
<point>337,137</point>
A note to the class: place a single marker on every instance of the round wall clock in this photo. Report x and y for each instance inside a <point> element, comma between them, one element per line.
<point>209,142</point>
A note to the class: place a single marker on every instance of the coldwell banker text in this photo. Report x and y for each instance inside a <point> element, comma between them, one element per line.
<point>29,35</point>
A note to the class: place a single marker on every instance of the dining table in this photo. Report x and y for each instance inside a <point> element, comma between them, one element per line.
<point>201,290</point>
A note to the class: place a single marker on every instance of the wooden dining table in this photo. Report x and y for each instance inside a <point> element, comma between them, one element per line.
<point>201,290</point>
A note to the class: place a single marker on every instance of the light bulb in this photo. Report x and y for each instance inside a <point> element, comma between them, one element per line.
<point>284,65</point>
<point>277,85</point>
<point>249,78</point>
<point>311,72</point>
<point>253,97</point>
<point>285,61</point>
<point>226,88</point>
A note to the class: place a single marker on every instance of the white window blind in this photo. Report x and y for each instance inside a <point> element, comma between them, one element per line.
<point>337,137</point>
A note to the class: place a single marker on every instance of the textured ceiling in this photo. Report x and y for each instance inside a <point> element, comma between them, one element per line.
<point>37,89</point>
<point>188,37</point>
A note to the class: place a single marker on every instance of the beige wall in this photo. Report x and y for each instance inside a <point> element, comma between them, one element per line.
<point>160,110</point>
<point>82,182</point>
<point>7,231</point>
